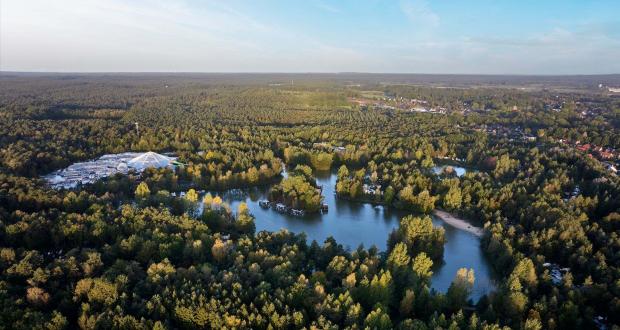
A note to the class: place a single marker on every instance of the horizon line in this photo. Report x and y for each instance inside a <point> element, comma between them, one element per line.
<point>311,73</point>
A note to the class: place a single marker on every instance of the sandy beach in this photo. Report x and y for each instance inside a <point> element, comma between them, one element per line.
<point>458,223</point>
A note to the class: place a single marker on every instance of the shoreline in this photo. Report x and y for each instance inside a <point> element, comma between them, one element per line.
<point>457,222</point>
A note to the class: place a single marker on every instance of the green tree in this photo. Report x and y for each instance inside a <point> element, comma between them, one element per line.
<point>398,262</point>
<point>191,196</point>
<point>207,201</point>
<point>322,161</point>
<point>220,250</point>
<point>422,268</point>
<point>343,173</point>
<point>381,289</point>
<point>407,304</point>
<point>253,175</point>
<point>245,221</point>
<point>378,320</point>
<point>525,272</point>
<point>143,191</point>
<point>453,198</point>
<point>460,289</point>
<point>389,194</point>
<point>420,235</point>
<point>420,203</point>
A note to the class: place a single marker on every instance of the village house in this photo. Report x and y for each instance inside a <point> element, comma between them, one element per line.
<point>281,207</point>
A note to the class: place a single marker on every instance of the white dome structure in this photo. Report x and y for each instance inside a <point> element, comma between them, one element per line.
<point>149,159</point>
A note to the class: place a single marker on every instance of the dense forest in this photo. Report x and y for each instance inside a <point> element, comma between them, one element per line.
<point>124,253</point>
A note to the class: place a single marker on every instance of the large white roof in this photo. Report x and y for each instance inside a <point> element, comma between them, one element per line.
<point>149,159</point>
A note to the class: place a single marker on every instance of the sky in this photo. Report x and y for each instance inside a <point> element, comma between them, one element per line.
<point>400,36</point>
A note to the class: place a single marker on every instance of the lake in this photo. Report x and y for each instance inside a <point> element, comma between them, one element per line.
<point>354,223</point>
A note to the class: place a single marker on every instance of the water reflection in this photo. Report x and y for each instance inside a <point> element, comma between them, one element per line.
<point>353,224</point>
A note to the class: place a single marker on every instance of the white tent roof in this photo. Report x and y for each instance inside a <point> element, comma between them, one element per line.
<point>149,159</point>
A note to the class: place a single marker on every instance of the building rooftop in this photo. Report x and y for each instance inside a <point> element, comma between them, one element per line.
<point>150,159</point>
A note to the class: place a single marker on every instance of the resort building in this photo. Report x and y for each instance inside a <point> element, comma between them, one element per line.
<point>105,166</point>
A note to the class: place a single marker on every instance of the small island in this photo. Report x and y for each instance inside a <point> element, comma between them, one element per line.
<point>297,194</point>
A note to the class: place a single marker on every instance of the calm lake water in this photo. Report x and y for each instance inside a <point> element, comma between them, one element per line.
<point>353,223</point>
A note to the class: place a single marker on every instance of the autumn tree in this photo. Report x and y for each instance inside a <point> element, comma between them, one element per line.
<point>459,290</point>
<point>245,221</point>
<point>142,191</point>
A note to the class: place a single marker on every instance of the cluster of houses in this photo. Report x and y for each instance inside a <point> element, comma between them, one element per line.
<point>589,108</point>
<point>366,103</point>
<point>557,274</point>
<point>401,103</point>
<point>182,193</point>
<point>455,159</point>
<point>279,207</point>
<point>554,106</point>
<point>610,89</point>
<point>511,133</point>
<point>572,194</point>
<point>372,189</point>
<point>600,322</point>
<point>91,171</point>
<point>282,208</point>
<point>439,110</point>
<point>327,146</point>
<point>611,167</point>
<point>600,152</point>
<point>608,156</point>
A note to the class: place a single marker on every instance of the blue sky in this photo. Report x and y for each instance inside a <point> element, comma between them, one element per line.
<point>403,36</point>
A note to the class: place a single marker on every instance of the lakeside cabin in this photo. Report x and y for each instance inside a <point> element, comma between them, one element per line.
<point>297,212</point>
<point>280,207</point>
